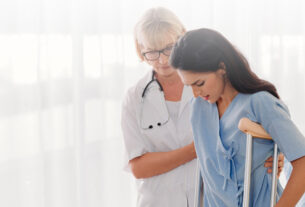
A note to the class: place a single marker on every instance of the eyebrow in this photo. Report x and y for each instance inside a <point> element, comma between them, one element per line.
<point>155,50</point>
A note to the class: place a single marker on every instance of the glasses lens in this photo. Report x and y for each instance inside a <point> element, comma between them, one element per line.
<point>151,55</point>
<point>167,51</point>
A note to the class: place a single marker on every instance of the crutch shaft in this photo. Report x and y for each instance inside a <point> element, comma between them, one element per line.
<point>247,175</point>
<point>199,187</point>
<point>274,176</point>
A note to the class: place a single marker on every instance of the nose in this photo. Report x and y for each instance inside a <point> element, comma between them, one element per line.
<point>163,58</point>
<point>196,91</point>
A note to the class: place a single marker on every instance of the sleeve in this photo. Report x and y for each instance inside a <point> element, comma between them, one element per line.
<point>274,116</point>
<point>133,141</point>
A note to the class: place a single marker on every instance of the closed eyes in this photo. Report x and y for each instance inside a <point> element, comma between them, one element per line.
<point>200,84</point>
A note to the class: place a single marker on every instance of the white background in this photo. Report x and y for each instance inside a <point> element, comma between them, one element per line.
<point>65,65</point>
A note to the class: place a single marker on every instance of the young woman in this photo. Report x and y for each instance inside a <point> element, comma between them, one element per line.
<point>155,119</point>
<point>227,90</point>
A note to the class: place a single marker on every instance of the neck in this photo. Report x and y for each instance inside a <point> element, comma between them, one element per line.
<point>171,79</point>
<point>228,95</point>
<point>172,86</point>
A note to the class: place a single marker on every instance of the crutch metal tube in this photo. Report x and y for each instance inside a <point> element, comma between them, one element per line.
<point>256,130</point>
<point>247,175</point>
<point>198,189</point>
<point>274,176</point>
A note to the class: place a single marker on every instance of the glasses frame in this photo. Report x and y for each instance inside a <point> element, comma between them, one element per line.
<point>158,51</point>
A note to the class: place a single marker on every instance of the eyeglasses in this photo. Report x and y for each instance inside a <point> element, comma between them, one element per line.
<point>154,55</point>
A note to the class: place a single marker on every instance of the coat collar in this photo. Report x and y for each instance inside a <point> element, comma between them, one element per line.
<point>186,93</point>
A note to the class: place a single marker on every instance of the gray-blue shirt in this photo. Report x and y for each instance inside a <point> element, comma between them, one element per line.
<point>220,147</point>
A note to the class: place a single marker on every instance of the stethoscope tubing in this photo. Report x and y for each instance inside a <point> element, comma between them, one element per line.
<point>151,81</point>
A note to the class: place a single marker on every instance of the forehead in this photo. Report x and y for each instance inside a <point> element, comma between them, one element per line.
<point>189,77</point>
<point>158,41</point>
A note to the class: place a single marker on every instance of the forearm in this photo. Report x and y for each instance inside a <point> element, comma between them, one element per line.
<point>295,187</point>
<point>155,163</point>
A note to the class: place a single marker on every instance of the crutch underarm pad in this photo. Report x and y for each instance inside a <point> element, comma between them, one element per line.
<point>250,127</point>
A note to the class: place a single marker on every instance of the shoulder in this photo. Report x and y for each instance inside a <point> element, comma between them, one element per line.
<point>198,102</point>
<point>199,106</point>
<point>134,92</point>
<point>263,95</point>
<point>263,101</point>
<point>265,98</point>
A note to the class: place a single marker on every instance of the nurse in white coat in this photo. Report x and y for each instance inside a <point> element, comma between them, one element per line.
<point>156,119</point>
<point>156,127</point>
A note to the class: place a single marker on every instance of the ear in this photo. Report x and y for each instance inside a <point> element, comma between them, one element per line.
<point>222,65</point>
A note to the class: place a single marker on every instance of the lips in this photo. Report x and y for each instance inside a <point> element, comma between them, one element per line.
<point>165,68</point>
<point>206,97</point>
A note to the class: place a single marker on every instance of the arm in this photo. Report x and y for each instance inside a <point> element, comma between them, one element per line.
<point>155,163</point>
<point>296,184</point>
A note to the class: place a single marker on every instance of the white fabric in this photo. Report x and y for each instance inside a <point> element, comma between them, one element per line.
<point>176,187</point>
<point>153,110</point>
<point>173,110</point>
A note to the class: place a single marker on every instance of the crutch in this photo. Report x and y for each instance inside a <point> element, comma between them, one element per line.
<point>198,202</point>
<point>253,129</point>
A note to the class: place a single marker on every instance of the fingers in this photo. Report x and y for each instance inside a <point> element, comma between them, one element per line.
<point>270,159</point>
<point>279,170</point>
<point>268,164</point>
<point>281,157</point>
<point>281,163</point>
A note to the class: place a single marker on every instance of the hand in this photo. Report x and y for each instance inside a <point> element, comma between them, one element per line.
<point>280,163</point>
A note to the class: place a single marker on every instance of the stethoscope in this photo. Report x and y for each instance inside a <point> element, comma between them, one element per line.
<point>144,94</point>
<point>150,82</point>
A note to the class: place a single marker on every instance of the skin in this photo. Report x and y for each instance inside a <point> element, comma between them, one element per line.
<point>215,88</point>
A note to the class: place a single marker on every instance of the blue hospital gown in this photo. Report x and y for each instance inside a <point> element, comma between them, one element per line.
<point>220,147</point>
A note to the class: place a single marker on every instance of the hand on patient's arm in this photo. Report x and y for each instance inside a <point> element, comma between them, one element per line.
<point>155,163</point>
<point>295,187</point>
<point>280,163</point>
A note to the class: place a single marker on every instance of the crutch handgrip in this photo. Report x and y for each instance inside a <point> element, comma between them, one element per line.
<point>256,130</point>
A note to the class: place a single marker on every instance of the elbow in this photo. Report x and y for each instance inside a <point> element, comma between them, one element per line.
<point>136,174</point>
<point>136,168</point>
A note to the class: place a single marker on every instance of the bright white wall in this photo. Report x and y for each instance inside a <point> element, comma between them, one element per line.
<point>65,65</point>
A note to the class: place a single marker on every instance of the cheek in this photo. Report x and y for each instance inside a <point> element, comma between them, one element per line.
<point>220,86</point>
<point>214,87</point>
<point>151,63</point>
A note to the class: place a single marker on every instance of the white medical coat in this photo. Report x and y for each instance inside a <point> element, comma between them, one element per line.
<point>176,187</point>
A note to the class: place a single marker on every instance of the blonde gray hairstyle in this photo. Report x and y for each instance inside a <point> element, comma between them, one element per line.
<point>155,28</point>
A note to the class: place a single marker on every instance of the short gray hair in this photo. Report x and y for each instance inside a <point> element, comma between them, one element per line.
<point>155,27</point>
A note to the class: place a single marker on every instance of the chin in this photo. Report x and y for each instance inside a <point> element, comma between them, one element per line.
<point>210,101</point>
<point>166,72</point>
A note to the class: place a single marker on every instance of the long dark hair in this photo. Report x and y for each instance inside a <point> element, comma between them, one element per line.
<point>203,50</point>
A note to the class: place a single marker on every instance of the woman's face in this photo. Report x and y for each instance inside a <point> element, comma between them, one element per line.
<point>161,64</point>
<point>208,85</point>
